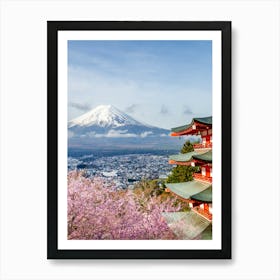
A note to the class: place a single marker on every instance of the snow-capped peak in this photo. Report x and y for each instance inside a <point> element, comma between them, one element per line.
<point>104,116</point>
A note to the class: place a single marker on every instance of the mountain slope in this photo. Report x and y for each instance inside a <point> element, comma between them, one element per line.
<point>103,116</point>
<point>108,121</point>
<point>107,127</point>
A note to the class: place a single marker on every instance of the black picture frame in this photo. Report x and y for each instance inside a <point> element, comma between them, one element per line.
<point>53,27</point>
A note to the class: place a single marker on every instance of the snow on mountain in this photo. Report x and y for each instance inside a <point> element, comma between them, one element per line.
<point>107,127</point>
<point>106,123</point>
<point>103,116</point>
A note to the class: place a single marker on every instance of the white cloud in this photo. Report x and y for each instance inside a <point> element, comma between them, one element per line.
<point>113,134</point>
<point>145,134</point>
<point>120,133</point>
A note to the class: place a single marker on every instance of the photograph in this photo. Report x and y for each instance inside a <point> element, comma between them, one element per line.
<point>138,111</point>
<point>139,140</point>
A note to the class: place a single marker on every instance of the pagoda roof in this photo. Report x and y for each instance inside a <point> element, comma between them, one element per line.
<point>204,196</point>
<point>183,157</point>
<point>187,190</point>
<point>206,120</point>
<point>199,155</point>
<point>188,225</point>
<point>207,157</point>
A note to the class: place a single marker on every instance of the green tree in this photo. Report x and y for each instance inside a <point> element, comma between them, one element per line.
<point>181,173</point>
<point>187,147</point>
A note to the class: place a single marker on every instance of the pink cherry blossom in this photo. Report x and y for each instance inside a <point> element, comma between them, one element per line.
<point>96,211</point>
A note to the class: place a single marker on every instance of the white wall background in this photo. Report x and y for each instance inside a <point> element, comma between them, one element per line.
<point>255,150</point>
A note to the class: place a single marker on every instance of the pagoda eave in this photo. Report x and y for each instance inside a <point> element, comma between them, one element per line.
<point>188,132</point>
<point>188,189</point>
<point>185,163</point>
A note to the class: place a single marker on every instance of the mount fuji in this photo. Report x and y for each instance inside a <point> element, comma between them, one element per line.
<point>108,121</point>
<point>103,116</point>
<point>107,126</point>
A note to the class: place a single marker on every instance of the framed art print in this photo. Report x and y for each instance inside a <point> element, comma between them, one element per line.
<point>139,140</point>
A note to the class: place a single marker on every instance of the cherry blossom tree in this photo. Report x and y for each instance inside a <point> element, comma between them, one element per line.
<point>96,211</point>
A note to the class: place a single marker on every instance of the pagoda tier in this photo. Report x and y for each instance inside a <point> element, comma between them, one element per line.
<point>198,126</point>
<point>186,190</point>
<point>204,160</point>
<point>198,157</point>
<point>197,194</point>
<point>182,159</point>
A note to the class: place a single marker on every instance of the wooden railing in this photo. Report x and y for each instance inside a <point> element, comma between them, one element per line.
<point>202,145</point>
<point>203,212</point>
<point>200,177</point>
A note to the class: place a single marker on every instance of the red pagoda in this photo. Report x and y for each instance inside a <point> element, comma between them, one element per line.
<point>198,193</point>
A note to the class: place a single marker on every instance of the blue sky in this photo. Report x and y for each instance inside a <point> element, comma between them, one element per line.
<point>162,83</point>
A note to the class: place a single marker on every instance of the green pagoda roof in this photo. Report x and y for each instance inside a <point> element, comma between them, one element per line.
<point>188,225</point>
<point>206,120</point>
<point>181,128</point>
<point>183,157</point>
<point>204,196</point>
<point>200,155</point>
<point>188,189</point>
<point>204,157</point>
